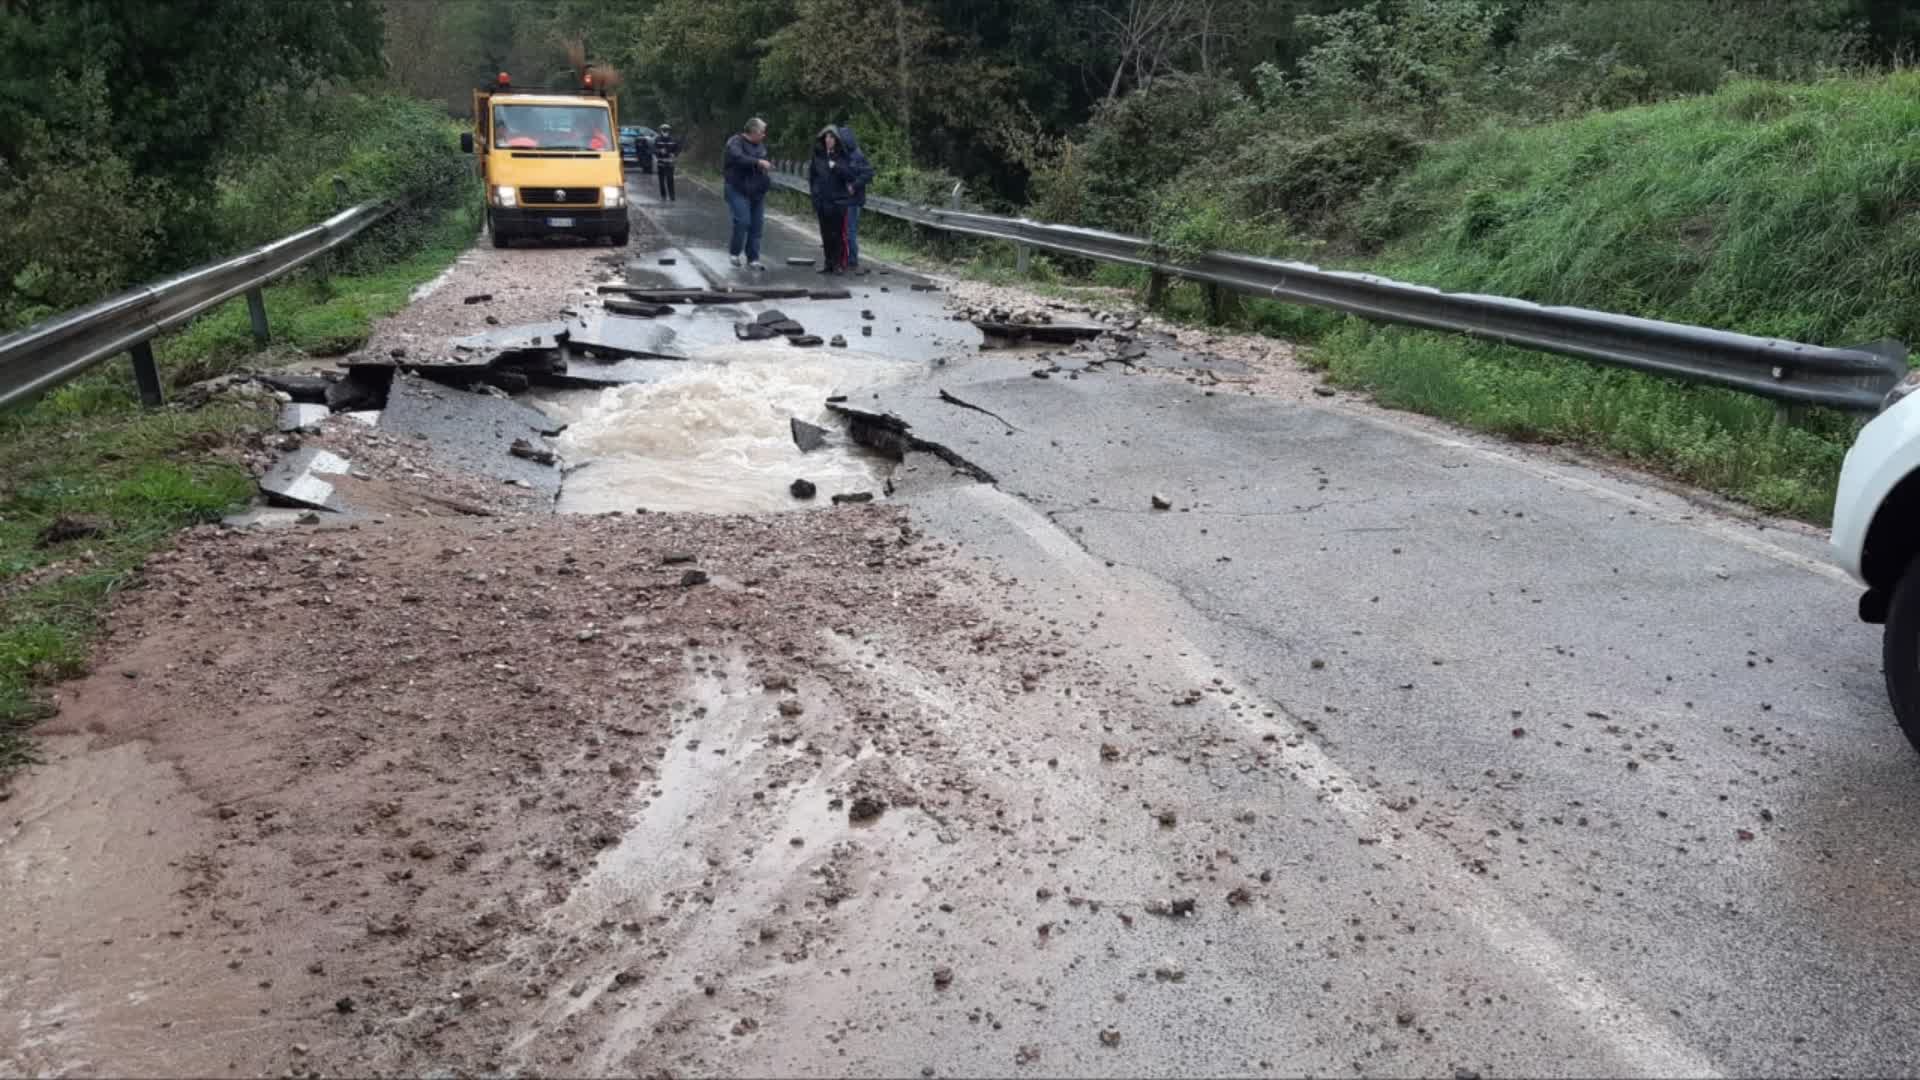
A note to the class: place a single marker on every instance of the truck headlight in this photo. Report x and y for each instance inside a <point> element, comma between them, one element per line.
<point>1901,389</point>
<point>504,196</point>
<point>611,197</point>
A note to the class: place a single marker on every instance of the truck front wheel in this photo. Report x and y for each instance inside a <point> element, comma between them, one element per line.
<point>493,229</point>
<point>1900,652</point>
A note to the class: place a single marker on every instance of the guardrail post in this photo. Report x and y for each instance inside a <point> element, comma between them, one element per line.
<point>1022,258</point>
<point>1222,303</point>
<point>1156,290</point>
<point>1786,415</point>
<point>147,374</point>
<point>953,199</point>
<point>257,312</point>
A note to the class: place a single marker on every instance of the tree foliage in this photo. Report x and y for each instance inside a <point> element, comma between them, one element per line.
<point>143,136</point>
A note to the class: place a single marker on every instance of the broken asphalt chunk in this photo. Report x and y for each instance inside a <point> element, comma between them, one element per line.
<point>829,294</point>
<point>753,331</point>
<point>806,436</point>
<point>637,309</point>
<point>301,417</point>
<point>303,389</point>
<point>360,390</point>
<point>807,341</point>
<point>539,455</point>
<point>1052,333</point>
<point>802,489</point>
<point>304,478</point>
<point>478,298</point>
<point>846,497</point>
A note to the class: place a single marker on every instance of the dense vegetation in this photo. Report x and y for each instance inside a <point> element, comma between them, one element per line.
<point>142,137</point>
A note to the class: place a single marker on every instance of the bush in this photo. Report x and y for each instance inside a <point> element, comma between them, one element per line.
<point>1635,51</point>
<point>74,220</point>
<point>379,146</point>
<point>1142,141</point>
<point>76,225</point>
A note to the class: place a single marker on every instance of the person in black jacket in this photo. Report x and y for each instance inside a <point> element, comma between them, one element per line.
<point>863,173</point>
<point>665,149</point>
<point>748,176</point>
<point>831,179</point>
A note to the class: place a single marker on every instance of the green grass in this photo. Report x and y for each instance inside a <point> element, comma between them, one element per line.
<point>88,448</point>
<point>317,314</point>
<point>1773,209</point>
<point>1715,439</point>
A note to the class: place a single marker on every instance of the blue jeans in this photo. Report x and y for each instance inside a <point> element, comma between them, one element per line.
<point>853,236</point>
<point>749,221</point>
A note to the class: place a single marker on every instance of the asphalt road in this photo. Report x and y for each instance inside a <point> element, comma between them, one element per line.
<point>1378,750</point>
<point>1617,765</point>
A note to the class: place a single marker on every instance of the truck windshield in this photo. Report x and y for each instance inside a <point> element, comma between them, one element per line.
<point>551,127</point>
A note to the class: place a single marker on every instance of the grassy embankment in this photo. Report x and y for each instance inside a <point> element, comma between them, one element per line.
<point>89,449</point>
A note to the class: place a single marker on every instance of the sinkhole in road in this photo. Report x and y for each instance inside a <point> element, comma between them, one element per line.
<point>713,435</point>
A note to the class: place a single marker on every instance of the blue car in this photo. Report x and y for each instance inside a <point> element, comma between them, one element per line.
<point>636,148</point>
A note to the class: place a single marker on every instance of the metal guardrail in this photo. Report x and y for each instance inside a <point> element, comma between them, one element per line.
<point>35,360</point>
<point>1854,379</point>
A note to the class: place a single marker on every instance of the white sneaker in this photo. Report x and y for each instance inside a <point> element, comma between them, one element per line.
<point>759,266</point>
<point>734,259</point>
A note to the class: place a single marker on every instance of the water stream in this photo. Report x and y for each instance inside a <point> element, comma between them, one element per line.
<point>712,434</point>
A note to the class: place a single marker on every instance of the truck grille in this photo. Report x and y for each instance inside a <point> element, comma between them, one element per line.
<point>575,196</point>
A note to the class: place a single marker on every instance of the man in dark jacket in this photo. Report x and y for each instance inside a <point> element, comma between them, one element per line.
<point>863,173</point>
<point>830,178</point>
<point>747,170</point>
<point>665,149</point>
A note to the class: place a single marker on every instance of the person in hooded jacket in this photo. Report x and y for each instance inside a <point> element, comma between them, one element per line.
<point>830,177</point>
<point>863,173</point>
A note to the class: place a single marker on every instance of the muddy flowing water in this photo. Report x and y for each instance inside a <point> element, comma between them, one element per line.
<point>712,435</point>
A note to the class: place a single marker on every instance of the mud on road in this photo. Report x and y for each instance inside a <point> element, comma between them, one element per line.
<point>401,783</point>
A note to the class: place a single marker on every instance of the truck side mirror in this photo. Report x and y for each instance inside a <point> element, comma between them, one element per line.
<point>466,142</point>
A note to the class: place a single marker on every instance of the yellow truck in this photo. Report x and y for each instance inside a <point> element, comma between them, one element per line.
<point>550,160</point>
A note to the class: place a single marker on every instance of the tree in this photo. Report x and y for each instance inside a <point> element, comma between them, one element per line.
<point>174,87</point>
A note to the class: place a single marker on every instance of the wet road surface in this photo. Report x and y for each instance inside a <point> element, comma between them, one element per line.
<point>1587,777</point>
<point>1380,750</point>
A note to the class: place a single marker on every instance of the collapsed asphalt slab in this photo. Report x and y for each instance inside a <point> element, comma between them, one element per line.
<point>471,432</point>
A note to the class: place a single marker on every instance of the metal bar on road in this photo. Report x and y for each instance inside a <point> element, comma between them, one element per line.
<point>257,313</point>
<point>1855,379</point>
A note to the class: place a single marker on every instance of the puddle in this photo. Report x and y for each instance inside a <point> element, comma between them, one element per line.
<point>713,436</point>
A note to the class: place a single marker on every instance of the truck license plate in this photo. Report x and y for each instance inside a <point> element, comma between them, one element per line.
<point>559,223</point>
